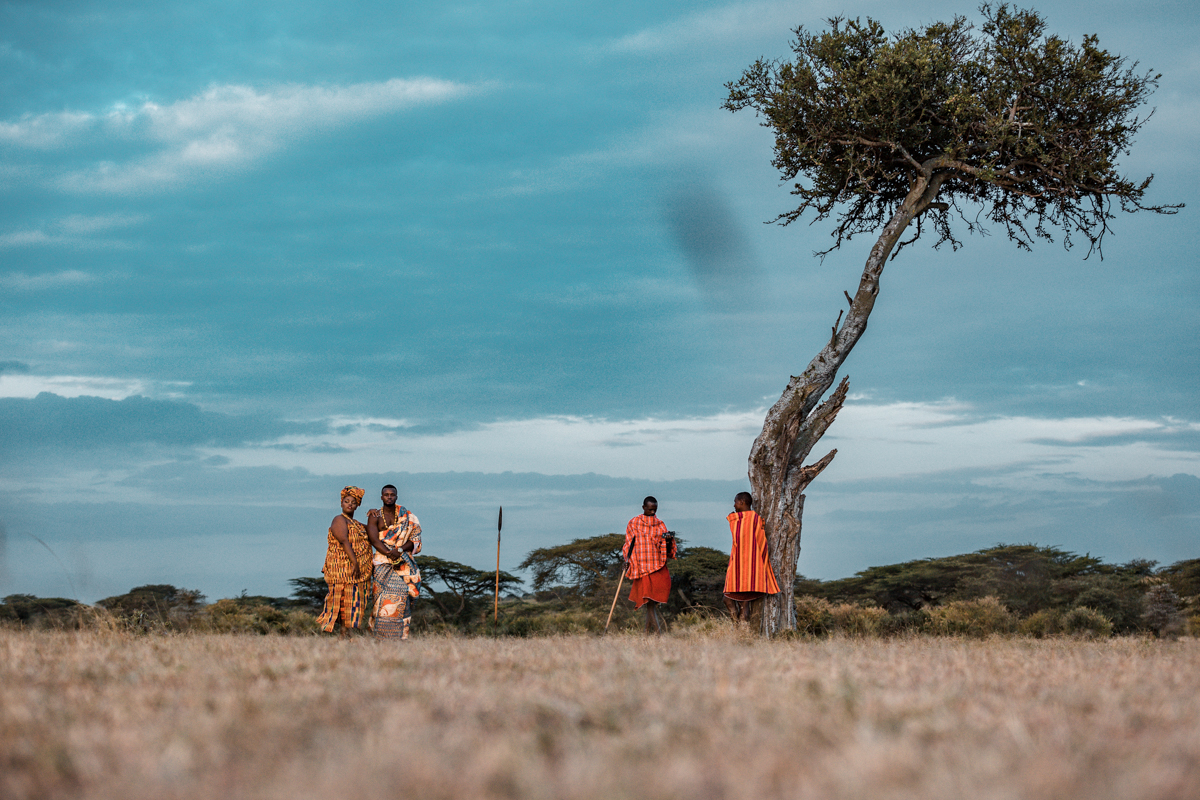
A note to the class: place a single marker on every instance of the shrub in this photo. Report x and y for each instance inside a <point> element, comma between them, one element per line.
<point>814,615</point>
<point>857,620</point>
<point>231,616</point>
<point>1088,622</point>
<point>1193,626</point>
<point>1162,611</point>
<point>1041,624</point>
<point>978,618</point>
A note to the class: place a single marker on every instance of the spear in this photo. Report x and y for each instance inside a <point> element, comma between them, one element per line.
<point>496,608</point>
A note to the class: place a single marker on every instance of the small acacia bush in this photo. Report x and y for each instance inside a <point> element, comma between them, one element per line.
<point>857,620</point>
<point>1041,624</point>
<point>1162,611</point>
<point>977,618</point>
<point>1088,622</point>
<point>1193,626</point>
<point>814,615</point>
<point>230,616</point>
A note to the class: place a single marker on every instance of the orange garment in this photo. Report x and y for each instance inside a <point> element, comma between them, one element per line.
<point>338,568</point>
<point>749,568</point>
<point>649,551</point>
<point>655,586</point>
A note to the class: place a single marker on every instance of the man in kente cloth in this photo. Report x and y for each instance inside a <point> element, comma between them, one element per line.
<point>749,575</point>
<point>648,545</point>
<point>347,561</point>
<point>396,579</point>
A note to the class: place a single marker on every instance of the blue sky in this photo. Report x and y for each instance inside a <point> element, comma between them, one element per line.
<point>515,253</point>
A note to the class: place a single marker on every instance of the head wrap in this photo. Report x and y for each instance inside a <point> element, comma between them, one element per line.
<point>354,492</point>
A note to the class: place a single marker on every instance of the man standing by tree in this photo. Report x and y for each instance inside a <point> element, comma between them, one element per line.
<point>395,579</point>
<point>648,545</point>
<point>749,576</point>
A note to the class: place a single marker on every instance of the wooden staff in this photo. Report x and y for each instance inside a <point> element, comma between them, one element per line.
<point>618,594</point>
<point>614,604</point>
<point>496,607</point>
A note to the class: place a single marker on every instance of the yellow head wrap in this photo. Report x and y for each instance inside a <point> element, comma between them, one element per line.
<point>354,492</point>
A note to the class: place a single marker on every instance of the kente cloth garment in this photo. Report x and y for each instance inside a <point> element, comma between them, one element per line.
<point>403,530</point>
<point>649,551</point>
<point>338,568</point>
<point>343,603</point>
<point>655,586</point>
<point>749,573</point>
<point>394,588</point>
<point>354,492</point>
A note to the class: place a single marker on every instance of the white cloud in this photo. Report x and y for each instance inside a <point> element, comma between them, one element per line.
<point>70,386</point>
<point>220,130</point>
<point>874,441</point>
<point>76,230</point>
<point>19,281</point>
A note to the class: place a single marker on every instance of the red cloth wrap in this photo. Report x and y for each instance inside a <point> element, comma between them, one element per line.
<point>655,586</point>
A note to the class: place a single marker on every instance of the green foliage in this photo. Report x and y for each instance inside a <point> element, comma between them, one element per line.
<point>1041,624</point>
<point>1026,125</point>
<point>154,607</point>
<point>1025,579</point>
<point>978,618</point>
<point>814,615</point>
<point>855,620</point>
<point>463,587</point>
<point>1183,576</point>
<point>309,593</point>
<point>243,615</point>
<point>40,612</point>
<point>1162,615</point>
<point>698,577</point>
<point>582,565</point>
<point>1084,621</point>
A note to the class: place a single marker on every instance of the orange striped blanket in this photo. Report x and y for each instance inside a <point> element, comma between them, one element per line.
<point>749,568</point>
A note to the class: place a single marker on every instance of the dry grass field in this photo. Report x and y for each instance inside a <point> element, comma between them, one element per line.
<point>691,715</point>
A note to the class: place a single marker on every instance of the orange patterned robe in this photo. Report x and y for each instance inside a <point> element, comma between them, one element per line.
<point>346,598</point>
<point>749,574</point>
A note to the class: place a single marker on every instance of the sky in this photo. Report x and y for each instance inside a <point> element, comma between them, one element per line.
<point>516,254</point>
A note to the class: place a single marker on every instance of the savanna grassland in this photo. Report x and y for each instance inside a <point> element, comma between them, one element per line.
<point>700,714</point>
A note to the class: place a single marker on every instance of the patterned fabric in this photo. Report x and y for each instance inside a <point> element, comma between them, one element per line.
<point>656,586</point>
<point>650,550</point>
<point>405,529</point>
<point>338,568</point>
<point>354,491</point>
<point>343,603</point>
<point>749,567</point>
<point>395,588</point>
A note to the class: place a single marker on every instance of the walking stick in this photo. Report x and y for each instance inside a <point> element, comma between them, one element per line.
<point>614,604</point>
<point>496,607</point>
<point>613,607</point>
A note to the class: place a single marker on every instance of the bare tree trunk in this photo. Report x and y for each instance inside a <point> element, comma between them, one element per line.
<point>799,419</point>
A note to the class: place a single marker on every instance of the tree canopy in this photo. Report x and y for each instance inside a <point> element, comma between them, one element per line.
<point>1027,125</point>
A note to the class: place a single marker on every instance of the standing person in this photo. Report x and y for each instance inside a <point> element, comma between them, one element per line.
<point>396,579</point>
<point>648,545</point>
<point>749,575</point>
<point>347,561</point>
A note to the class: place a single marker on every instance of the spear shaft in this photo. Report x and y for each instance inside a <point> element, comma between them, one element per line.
<point>496,605</point>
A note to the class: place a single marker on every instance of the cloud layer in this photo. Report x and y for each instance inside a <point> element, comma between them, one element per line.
<point>217,132</point>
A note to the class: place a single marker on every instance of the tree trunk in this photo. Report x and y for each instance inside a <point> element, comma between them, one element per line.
<point>799,418</point>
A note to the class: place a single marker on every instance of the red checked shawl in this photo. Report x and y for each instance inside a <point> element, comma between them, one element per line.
<point>650,551</point>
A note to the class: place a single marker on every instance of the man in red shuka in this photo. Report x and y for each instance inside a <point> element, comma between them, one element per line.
<point>749,575</point>
<point>648,545</point>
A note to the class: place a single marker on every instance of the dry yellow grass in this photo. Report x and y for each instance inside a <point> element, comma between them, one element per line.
<point>710,715</point>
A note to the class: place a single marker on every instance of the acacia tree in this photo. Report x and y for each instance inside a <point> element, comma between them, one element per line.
<point>942,127</point>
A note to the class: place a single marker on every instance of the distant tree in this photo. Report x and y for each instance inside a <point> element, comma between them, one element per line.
<point>309,593</point>
<point>462,586</point>
<point>698,576</point>
<point>583,565</point>
<point>154,605</point>
<point>28,609</point>
<point>1008,126</point>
